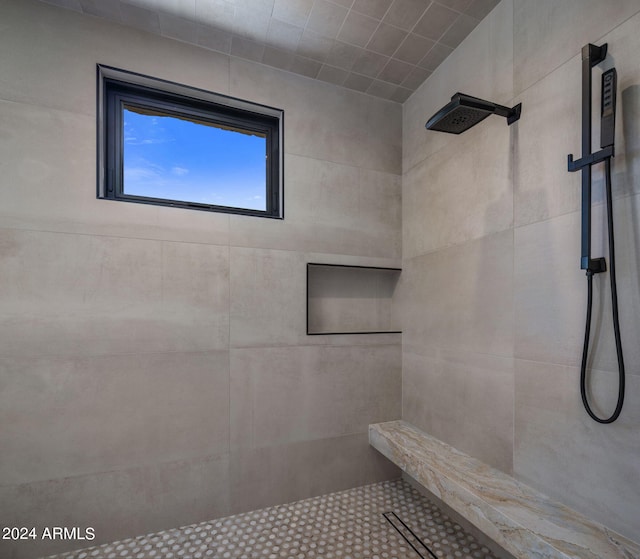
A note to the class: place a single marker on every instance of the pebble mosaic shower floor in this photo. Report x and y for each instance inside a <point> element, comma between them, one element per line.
<point>345,525</point>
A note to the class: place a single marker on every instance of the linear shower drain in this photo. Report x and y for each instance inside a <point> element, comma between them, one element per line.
<point>409,536</point>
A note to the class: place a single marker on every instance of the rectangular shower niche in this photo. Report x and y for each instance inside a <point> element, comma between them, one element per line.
<point>344,299</point>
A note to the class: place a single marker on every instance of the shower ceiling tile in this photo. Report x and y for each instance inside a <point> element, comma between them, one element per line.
<point>370,63</point>
<point>345,3</point>
<point>109,10</point>
<point>395,71</point>
<point>219,13</point>
<point>343,55</point>
<point>382,89</point>
<point>357,29</point>
<point>181,8</point>
<point>405,13</point>
<point>247,49</point>
<point>435,56</point>
<point>413,48</point>
<point>480,8</point>
<point>68,4</point>
<point>250,25</point>
<point>459,5</point>
<point>373,8</point>
<point>459,30</point>
<point>326,18</point>
<point>214,39</point>
<point>178,28</point>
<point>278,58</point>
<point>435,22</point>
<point>415,78</point>
<point>378,40</point>
<point>315,46</point>
<point>306,67</point>
<point>141,18</point>
<point>293,11</point>
<point>283,35</point>
<point>401,94</point>
<point>358,82</point>
<point>332,75</point>
<point>386,39</point>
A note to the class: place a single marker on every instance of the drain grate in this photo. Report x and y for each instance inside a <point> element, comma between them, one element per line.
<point>409,536</point>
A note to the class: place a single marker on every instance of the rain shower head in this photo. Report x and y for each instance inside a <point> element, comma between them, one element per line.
<point>465,111</point>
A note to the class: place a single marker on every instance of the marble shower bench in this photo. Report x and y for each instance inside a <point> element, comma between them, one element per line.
<point>520,519</point>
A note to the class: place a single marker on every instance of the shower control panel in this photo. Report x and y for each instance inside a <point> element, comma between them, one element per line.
<point>608,112</point>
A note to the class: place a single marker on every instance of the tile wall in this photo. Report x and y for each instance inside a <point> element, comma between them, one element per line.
<point>492,295</point>
<point>154,365</point>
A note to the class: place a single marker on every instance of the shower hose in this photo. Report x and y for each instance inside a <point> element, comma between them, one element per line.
<point>614,309</point>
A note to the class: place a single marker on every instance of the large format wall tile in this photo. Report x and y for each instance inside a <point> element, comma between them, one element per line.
<point>481,66</point>
<point>330,208</point>
<point>268,297</point>
<point>77,294</point>
<point>116,504</point>
<point>547,33</point>
<point>461,193</point>
<point>49,57</point>
<point>292,394</point>
<point>266,476</point>
<point>323,121</point>
<point>550,293</point>
<point>69,416</point>
<point>460,298</point>
<point>550,128</point>
<point>48,166</point>
<point>464,399</point>
<point>560,450</point>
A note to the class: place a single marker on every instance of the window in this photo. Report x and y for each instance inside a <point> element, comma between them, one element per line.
<point>169,144</point>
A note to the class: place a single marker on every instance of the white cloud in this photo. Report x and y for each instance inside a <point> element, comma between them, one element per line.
<point>179,171</point>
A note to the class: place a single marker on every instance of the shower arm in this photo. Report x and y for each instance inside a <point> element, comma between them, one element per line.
<point>591,56</point>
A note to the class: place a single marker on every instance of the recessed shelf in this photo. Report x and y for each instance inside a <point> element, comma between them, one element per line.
<point>344,299</point>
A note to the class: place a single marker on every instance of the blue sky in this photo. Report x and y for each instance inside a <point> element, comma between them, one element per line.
<point>167,157</point>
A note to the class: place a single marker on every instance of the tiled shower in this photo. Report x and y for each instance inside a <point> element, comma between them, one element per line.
<point>155,366</point>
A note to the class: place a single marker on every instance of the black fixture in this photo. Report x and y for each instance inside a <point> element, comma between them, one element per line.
<point>464,111</point>
<point>593,55</point>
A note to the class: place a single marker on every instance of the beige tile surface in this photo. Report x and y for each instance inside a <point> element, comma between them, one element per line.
<point>79,295</point>
<point>167,494</point>
<point>550,301</point>
<point>293,394</point>
<point>464,399</point>
<point>70,416</point>
<point>62,197</point>
<point>271,475</point>
<point>325,122</point>
<point>550,33</point>
<point>65,35</point>
<point>549,129</point>
<point>562,452</point>
<point>472,310</point>
<point>461,193</point>
<point>331,208</point>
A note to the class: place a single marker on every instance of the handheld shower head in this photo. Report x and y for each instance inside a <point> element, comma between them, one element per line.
<point>465,111</point>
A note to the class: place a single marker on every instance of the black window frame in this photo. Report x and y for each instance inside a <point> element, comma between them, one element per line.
<point>119,88</point>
